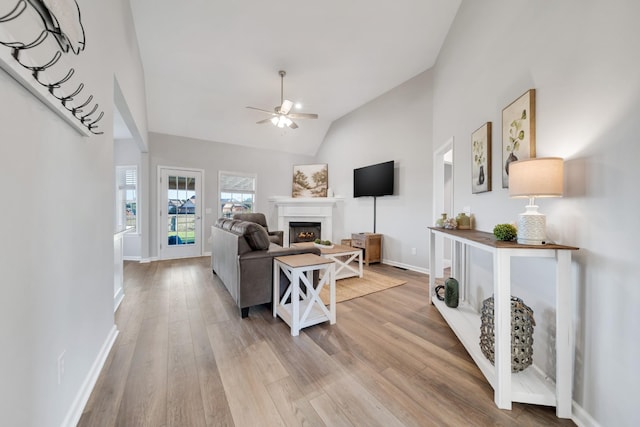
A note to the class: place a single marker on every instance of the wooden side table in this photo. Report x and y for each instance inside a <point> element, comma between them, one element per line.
<point>342,255</point>
<point>370,243</point>
<point>305,308</point>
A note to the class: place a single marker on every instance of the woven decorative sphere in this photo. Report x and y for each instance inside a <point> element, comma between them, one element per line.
<point>522,323</point>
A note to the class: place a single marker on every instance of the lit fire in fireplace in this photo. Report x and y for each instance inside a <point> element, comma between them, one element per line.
<point>304,231</point>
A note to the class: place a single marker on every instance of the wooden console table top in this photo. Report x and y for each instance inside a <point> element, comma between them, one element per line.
<point>488,239</point>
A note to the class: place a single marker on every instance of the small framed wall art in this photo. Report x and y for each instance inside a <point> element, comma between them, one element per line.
<point>518,132</point>
<point>310,180</point>
<point>481,159</point>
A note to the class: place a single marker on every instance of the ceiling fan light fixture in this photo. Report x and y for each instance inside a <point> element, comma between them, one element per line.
<point>281,115</point>
<point>281,121</point>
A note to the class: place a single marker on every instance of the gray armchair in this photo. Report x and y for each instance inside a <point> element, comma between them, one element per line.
<point>259,218</point>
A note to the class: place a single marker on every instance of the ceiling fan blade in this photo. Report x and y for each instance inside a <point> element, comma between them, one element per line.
<point>260,109</point>
<point>303,116</point>
<point>263,121</point>
<point>293,125</point>
<point>286,106</point>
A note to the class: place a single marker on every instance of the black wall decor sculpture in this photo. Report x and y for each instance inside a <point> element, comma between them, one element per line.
<point>39,33</point>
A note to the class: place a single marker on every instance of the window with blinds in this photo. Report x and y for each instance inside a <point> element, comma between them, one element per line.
<point>127,196</point>
<point>237,193</point>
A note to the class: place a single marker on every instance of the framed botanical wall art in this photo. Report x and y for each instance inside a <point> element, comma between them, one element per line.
<point>310,180</point>
<point>37,42</point>
<point>481,159</point>
<point>518,132</point>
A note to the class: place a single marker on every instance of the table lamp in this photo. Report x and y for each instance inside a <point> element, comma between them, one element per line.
<point>531,178</point>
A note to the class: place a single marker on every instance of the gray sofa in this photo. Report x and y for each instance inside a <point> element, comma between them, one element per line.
<point>259,218</point>
<point>242,257</point>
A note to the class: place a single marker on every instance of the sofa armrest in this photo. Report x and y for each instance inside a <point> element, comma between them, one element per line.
<point>276,237</point>
<point>275,251</point>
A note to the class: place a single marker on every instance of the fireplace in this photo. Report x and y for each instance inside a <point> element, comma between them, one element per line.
<point>304,231</point>
<point>305,209</point>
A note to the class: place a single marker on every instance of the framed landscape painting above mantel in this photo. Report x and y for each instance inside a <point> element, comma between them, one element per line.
<point>481,159</point>
<point>310,180</point>
<point>518,132</point>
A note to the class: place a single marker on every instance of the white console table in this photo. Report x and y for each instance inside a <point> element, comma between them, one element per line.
<point>530,385</point>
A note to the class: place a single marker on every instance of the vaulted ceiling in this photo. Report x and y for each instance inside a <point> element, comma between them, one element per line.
<point>206,60</point>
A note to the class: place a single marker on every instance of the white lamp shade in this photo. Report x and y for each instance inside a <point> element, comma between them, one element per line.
<point>538,177</point>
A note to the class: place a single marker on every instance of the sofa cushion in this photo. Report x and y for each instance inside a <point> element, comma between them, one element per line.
<point>253,233</point>
<point>258,218</point>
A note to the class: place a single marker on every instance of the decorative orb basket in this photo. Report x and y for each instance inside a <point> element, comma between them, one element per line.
<point>522,323</point>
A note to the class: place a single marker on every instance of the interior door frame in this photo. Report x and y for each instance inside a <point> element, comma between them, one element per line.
<point>438,198</point>
<point>160,198</point>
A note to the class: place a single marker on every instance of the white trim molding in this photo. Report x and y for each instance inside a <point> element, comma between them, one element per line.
<point>303,209</point>
<point>75,411</point>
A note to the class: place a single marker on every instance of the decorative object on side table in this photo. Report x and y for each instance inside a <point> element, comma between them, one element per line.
<point>323,243</point>
<point>542,177</point>
<point>450,224</point>
<point>464,221</point>
<point>522,323</point>
<point>451,292</point>
<point>481,165</point>
<point>505,232</point>
<point>518,132</point>
<point>440,221</point>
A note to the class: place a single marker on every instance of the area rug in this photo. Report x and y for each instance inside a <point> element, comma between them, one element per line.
<point>355,287</point>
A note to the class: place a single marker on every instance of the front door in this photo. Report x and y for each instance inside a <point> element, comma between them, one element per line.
<point>180,213</point>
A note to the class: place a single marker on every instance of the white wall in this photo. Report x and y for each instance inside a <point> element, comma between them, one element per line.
<point>582,58</point>
<point>274,170</point>
<point>57,253</point>
<point>395,126</point>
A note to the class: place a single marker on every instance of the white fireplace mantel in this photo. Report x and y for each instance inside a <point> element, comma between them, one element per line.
<point>302,209</point>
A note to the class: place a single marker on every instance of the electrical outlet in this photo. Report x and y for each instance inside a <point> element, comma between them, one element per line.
<point>60,367</point>
<point>413,251</point>
<point>467,210</point>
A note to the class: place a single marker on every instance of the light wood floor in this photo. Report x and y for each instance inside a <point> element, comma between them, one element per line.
<point>184,357</point>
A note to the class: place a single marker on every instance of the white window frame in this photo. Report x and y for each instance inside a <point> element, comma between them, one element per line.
<point>121,198</point>
<point>254,176</point>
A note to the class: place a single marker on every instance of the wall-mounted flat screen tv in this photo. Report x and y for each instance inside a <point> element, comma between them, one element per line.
<point>374,180</point>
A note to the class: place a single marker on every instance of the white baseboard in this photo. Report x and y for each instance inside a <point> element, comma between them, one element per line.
<point>118,299</point>
<point>581,417</point>
<point>406,266</point>
<point>75,411</point>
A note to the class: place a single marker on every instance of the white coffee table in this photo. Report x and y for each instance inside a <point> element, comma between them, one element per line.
<point>343,257</point>
<point>304,307</point>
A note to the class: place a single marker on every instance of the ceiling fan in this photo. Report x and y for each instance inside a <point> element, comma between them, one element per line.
<point>281,115</point>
